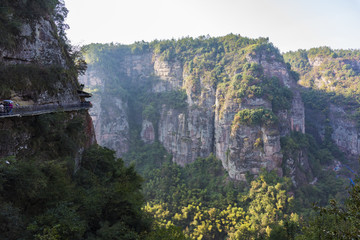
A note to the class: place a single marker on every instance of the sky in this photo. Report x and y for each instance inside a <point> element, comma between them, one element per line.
<point>289,24</point>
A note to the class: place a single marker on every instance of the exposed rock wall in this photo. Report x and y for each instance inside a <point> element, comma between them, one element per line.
<point>187,135</point>
<point>334,76</point>
<point>273,67</point>
<point>114,128</point>
<point>110,112</point>
<point>345,131</point>
<point>39,45</point>
<point>248,149</point>
<point>205,126</point>
<point>170,75</point>
<point>39,48</point>
<point>147,132</point>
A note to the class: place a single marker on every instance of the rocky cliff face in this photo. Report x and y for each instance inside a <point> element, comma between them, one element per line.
<point>25,72</point>
<point>217,91</point>
<point>341,118</point>
<point>39,47</point>
<point>186,133</point>
<point>275,67</point>
<point>345,131</point>
<point>331,79</point>
<point>248,149</point>
<point>110,112</point>
<point>38,43</point>
<point>338,122</point>
<point>206,124</point>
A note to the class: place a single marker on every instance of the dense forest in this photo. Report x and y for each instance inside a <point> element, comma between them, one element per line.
<point>103,200</point>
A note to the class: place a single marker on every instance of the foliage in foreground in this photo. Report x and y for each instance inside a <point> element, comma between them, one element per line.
<point>336,221</point>
<point>265,208</point>
<point>46,200</point>
<point>201,200</point>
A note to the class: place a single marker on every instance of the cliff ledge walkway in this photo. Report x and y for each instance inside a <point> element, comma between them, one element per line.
<point>33,110</point>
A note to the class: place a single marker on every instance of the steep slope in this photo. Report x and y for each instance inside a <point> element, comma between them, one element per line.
<point>37,68</point>
<point>331,79</point>
<point>230,96</point>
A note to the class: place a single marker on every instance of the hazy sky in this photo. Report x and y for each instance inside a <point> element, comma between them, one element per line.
<point>290,24</point>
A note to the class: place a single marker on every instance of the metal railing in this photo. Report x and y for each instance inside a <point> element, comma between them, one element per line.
<point>19,111</point>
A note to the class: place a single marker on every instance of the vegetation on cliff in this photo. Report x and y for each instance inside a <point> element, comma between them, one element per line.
<point>29,77</point>
<point>30,81</point>
<point>257,116</point>
<point>330,78</point>
<point>334,72</point>
<point>13,14</point>
<point>328,184</point>
<point>226,65</point>
<point>199,197</point>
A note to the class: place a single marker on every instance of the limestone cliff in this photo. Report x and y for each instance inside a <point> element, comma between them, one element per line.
<point>36,68</point>
<point>248,149</point>
<point>37,43</point>
<point>216,87</point>
<point>331,85</point>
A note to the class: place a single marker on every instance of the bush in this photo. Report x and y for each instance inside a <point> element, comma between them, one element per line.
<point>257,116</point>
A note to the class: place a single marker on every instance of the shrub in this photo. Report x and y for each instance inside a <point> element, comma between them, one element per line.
<point>257,116</point>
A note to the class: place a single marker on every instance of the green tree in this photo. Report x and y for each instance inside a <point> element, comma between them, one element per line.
<point>336,221</point>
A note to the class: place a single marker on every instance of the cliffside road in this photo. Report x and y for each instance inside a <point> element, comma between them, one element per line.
<point>34,110</point>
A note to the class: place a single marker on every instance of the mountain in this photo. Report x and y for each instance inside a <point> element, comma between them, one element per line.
<point>214,123</point>
<point>231,96</point>
<point>189,114</point>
